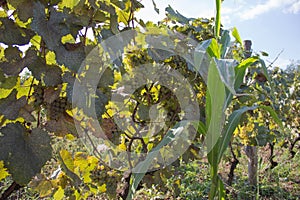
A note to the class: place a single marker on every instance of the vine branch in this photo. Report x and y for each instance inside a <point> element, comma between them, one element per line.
<point>13,187</point>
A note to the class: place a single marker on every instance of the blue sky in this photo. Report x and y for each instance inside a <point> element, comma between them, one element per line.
<point>272,25</point>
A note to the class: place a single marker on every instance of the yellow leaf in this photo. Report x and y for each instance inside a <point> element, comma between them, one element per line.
<point>110,110</point>
<point>45,188</point>
<point>93,162</point>
<point>93,190</point>
<point>3,172</point>
<point>156,31</point>
<point>117,76</point>
<point>80,161</point>
<point>177,182</point>
<point>102,188</point>
<point>87,177</point>
<point>59,194</point>
<point>122,146</point>
<point>69,3</point>
<point>50,58</point>
<point>100,167</point>
<point>3,13</point>
<point>62,180</point>
<point>77,195</point>
<point>123,16</point>
<point>249,127</point>
<point>155,92</point>
<point>70,137</point>
<point>67,159</point>
<point>36,41</point>
<point>141,39</point>
<point>4,92</point>
<point>23,89</point>
<point>67,39</point>
<point>149,146</point>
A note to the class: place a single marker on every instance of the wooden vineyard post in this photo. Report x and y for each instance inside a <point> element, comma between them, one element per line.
<point>251,151</point>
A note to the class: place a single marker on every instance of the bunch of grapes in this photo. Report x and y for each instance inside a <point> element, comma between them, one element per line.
<point>178,62</point>
<point>103,175</point>
<point>69,192</point>
<point>38,95</point>
<point>137,57</point>
<point>57,108</point>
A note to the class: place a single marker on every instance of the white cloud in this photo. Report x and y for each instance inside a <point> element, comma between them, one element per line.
<point>229,12</point>
<point>267,6</point>
<point>294,8</point>
<point>226,20</point>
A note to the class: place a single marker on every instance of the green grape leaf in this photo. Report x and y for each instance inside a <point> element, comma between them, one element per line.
<point>37,68</point>
<point>119,4</point>
<point>263,136</point>
<point>12,54</point>
<point>100,101</point>
<point>155,7</point>
<point>24,152</point>
<point>7,82</point>
<point>14,3</point>
<point>51,30</point>
<point>105,33</point>
<point>159,54</point>
<point>51,94</point>
<point>136,4</point>
<point>69,79</point>
<point>87,100</point>
<point>24,8</point>
<point>25,112</point>
<point>44,188</point>
<point>143,112</point>
<point>10,106</point>
<point>50,74</point>
<point>176,16</point>
<point>266,74</point>
<point>273,114</point>
<point>12,34</point>
<point>99,16</point>
<point>70,58</point>
<point>63,126</point>
<point>14,67</point>
<point>107,79</point>
<point>66,163</point>
<point>108,8</point>
<point>114,26</point>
